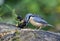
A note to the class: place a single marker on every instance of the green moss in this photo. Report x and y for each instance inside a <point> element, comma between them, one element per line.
<point>16,39</point>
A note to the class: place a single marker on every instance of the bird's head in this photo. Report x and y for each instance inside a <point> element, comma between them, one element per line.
<point>27,17</point>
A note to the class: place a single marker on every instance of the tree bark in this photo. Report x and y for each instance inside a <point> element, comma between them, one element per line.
<point>27,34</point>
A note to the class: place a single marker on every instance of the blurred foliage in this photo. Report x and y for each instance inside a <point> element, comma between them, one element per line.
<point>48,9</point>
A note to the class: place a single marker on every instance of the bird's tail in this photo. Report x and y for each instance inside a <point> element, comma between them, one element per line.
<point>50,25</point>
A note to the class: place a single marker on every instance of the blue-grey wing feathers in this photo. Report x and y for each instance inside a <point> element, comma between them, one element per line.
<point>39,20</point>
<point>50,25</point>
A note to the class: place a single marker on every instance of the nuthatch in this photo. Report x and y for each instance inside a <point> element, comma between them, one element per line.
<point>36,20</point>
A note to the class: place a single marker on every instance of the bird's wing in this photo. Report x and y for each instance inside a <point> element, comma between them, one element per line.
<point>37,16</point>
<point>39,20</point>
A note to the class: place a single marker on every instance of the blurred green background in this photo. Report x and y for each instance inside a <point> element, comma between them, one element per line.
<point>48,9</point>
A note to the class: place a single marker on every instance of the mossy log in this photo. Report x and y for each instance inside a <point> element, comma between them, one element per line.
<point>27,34</point>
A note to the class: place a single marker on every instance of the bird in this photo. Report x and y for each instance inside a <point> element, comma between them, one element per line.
<point>36,20</point>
